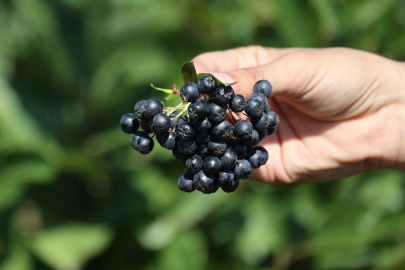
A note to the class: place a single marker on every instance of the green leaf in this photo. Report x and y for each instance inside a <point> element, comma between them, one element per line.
<point>70,246</point>
<point>169,97</point>
<point>200,75</point>
<point>167,91</point>
<point>189,72</point>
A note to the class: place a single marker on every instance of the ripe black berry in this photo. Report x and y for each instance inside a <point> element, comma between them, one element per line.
<point>161,123</point>
<point>254,107</point>
<point>238,103</point>
<point>212,165</point>
<point>203,181</point>
<point>222,130</point>
<point>186,183</point>
<point>139,110</point>
<point>260,123</point>
<point>202,125</point>
<point>243,130</point>
<point>255,158</point>
<point>225,178</point>
<point>129,123</point>
<point>141,142</point>
<point>187,147</point>
<point>168,140</point>
<point>238,147</point>
<point>242,169</point>
<point>189,92</point>
<point>212,190</point>
<point>194,163</point>
<point>145,125</point>
<point>152,107</point>
<point>228,160</point>
<point>197,110</point>
<point>271,130</point>
<point>224,94</point>
<point>273,119</point>
<point>264,153</point>
<point>217,147</point>
<point>264,87</point>
<point>207,84</point>
<point>232,187</point>
<point>253,140</point>
<point>185,131</point>
<point>216,112</point>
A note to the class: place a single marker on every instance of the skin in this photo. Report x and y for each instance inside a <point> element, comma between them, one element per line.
<point>342,111</point>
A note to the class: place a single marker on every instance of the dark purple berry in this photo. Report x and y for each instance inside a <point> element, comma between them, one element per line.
<point>187,147</point>
<point>194,163</point>
<point>216,112</point>
<point>139,110</point>
<point>197,110</point>
<point>273,119</point>
<point>203,181</point>
<point>189,92</point>
<point>212,165</point>
<point>213,189</point>
<point>168,140</point>
<point>260,123</point>
<point>264,153</point>
<point>207,84</point>
<point>232,187</point>
<point>145,125</point>
<point>271,130</point>
<point>152,107</point>
<point>225,178</point>
<point>217,147</point>
<point>185,131</point>
<point>222,130</point>
<point>255,157</point>
<point>253,140</point>
<point>243,130</point>
<point>238,103</point>
<point>228,160</point>
<point>238,147</point>
<point>242,169</point>
<point>186,183</point>
<point>129,123</point>
<point>254,107</point>
<point>202,125</point>
<point>224,94</point>
<point>141,142</point>
<point>264,87</point>
<point>161,123</point>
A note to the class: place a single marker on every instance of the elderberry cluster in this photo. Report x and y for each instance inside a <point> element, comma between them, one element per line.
<point>215,140</point>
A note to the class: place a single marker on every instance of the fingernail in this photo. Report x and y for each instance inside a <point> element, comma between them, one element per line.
<point>223,77</point>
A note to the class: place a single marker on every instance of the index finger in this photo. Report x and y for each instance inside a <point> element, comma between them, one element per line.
<point>238,58</point>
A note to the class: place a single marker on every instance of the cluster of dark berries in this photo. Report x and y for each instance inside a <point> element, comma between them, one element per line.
<point>214,132</point>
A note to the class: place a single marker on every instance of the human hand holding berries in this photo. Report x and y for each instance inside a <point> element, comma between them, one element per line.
<point>343,110</point>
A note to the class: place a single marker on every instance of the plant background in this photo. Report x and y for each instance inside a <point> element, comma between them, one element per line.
<point>73,193</point>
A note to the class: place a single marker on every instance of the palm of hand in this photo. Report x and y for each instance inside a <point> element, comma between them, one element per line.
<point>329,105</point>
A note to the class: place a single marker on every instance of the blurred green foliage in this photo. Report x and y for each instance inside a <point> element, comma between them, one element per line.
<point>74,195</point>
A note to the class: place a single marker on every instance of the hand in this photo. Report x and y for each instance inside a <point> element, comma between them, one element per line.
<point>342,111</point>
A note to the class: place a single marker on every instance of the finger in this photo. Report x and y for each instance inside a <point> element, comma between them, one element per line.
<point>291,75</point>
<point>242,57</point>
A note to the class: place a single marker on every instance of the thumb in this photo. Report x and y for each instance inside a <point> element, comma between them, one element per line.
<point>289,76</point>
